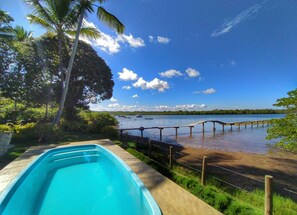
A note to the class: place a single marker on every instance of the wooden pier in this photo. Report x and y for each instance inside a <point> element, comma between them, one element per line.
<point>258,123</point>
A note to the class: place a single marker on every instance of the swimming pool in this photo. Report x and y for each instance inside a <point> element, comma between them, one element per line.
<point>87,179</point>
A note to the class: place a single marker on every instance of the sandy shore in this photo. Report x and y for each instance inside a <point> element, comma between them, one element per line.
<point>281,165</point>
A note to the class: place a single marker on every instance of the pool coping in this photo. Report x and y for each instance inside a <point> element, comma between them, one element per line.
<point>171,198</point>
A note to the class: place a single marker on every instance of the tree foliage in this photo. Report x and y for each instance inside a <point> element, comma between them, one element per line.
<point>91,80</point>
<point>5,39</point>
<point>286,128</point>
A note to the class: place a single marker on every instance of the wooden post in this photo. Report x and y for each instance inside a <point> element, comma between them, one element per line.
<point>257,124</point>
<point>252,124</point>
<point>231,127</point>
<point>161,134</point>
<point>149,148</point>
<point>214,127</point>
<point>176,132</point>
<point>202,127</point>
<point>121,133</point>
<point>141,131</point>
<point>191,127</point>
<point>203,170</point>
<point>244,125</point>
<point>223,127</point>
<point>238,126</point>
<point>170,157</point>
<point>268,195</point>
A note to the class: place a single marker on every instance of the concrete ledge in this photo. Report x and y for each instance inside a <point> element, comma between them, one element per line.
<point>171,198</point>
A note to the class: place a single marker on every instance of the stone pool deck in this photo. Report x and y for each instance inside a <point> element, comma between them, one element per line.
<point>171,198</point>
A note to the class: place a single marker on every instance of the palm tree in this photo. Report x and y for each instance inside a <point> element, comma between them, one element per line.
<point>5,27</point>
<point>20,34</point>
<point>59,18</point>
<point>85,7</point>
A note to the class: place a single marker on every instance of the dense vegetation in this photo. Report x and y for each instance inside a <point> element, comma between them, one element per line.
<point>32,81</point>
<point>33,123</point>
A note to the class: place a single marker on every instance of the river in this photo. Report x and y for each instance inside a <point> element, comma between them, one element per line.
<point>250,139</point>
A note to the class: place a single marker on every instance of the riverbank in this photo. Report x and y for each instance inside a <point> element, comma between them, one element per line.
<point>281,165</point>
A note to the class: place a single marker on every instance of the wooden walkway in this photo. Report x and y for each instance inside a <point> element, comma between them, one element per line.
<point>202,123</point>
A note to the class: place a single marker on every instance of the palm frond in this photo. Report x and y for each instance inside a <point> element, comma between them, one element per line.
<point>20,34</point>
<point>38,20</point>
<point>110,20</point>
<point>72,17</point>
<point>41,11</point>
<point>89,32</point>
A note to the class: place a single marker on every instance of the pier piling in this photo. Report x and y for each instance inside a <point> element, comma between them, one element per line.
<point>191,128</point>
<point>161,129</point>
<point>176,135</point>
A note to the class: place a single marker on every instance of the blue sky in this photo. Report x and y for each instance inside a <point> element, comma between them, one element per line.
<point>193,54</point>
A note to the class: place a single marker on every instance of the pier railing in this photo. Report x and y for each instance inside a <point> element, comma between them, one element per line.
<point>245,124</point>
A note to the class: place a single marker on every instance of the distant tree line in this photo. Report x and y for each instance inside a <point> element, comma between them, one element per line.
<point>205,112</point>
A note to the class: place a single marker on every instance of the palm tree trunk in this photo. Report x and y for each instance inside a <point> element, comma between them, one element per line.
<point>60,59</point>
<point>68,71</point>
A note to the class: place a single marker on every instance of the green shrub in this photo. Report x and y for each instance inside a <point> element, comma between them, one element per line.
<point>46,131</point>
<point>95,121</point>
<point>110,132</point>
<point>23,113</point>
<point>26,131</point>
<point>6,127</point>
<point>72,126</point>
<point>35,131</point>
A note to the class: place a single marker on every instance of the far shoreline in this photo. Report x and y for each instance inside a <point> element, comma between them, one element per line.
<point>204,112</point>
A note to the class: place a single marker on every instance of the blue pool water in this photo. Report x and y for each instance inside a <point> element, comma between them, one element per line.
<point>77,180</point>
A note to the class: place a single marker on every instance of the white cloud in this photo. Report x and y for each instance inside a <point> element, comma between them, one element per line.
<point>107,43</point>
<point>209,91</point>
<point>202,106</point>
<point>163,40</point>
<point>118,107</point>
<point>190,106</point>
<point>155,84</point>
<point>241,17</point>
<point>140,83</point>
<point>170,73</point>
<point>132,41</point>
<point>127,75</point>
<point>135,96</point>
<point>151,38</point>
<point>126,87</point>
<point>159,39</point>
<point>162,107</point>
<point>111,44</point>
<point>113,99</point>
<point>129,107</point>
<point>113,105</point>
<point>192,73</point>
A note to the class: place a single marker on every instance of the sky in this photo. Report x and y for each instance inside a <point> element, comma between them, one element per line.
<point>193,54</point>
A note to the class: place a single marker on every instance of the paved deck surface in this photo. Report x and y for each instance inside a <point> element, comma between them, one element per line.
<point>171,198</point>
